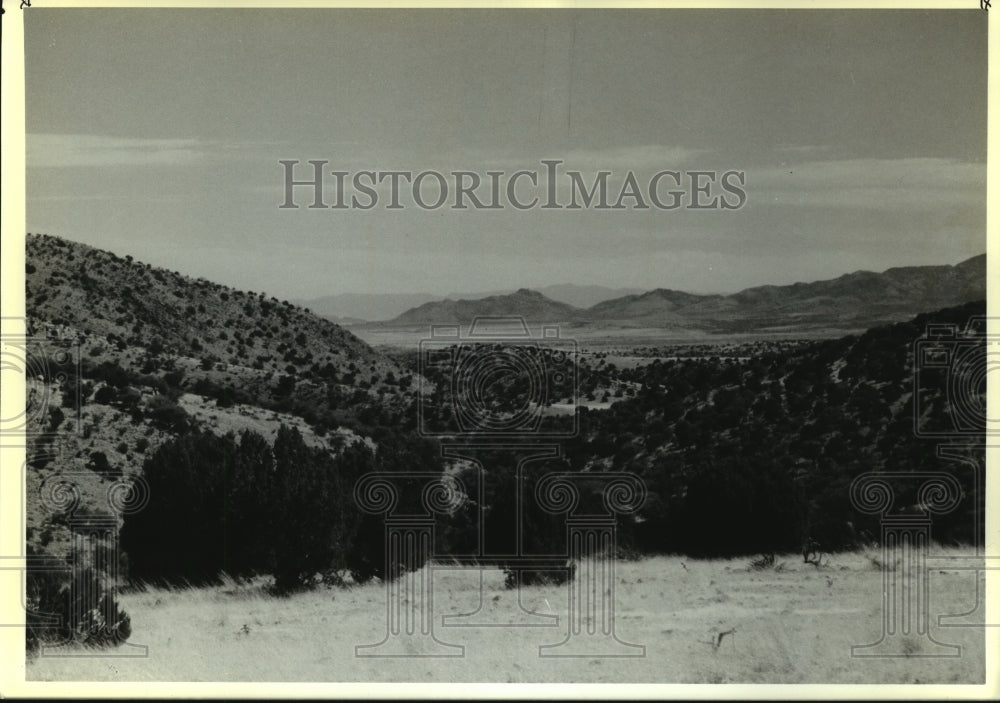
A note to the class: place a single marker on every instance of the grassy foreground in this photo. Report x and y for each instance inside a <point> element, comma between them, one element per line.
<point>793,622</point>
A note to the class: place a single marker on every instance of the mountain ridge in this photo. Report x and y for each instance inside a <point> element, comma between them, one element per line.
<point>858,299</point>
<point>359,308</point>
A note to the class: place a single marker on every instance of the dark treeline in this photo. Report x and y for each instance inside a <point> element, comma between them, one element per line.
<point>240,506</point>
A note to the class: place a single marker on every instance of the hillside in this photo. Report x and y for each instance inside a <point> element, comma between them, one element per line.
<point>660,307</point>
<point>857,300</point>
<point>751,448</point>
<point>153,321</point>
<point>102,295</point>
<point>739,452</point>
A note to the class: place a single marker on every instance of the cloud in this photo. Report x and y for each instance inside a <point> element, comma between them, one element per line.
<point>636,158</point>
<point>877,184</point>
<point>84,150</point>
<point>804,149</point>
<point>645,157</point>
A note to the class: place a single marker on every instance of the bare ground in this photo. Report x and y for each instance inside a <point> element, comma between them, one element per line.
<point>792,623</point>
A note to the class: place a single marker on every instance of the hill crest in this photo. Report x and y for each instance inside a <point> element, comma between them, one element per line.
<point>149,319</point>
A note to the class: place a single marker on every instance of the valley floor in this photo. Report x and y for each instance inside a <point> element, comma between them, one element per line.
<point>790,623</point>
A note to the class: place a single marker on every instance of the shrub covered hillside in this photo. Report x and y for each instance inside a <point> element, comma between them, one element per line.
<point>167,361</point>
<point>754,454</point>
<point>206,338</point>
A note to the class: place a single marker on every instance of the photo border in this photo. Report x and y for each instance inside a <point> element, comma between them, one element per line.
<point>12,662</point>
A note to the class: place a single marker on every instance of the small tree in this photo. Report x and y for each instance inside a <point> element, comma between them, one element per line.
<point>56,417</point>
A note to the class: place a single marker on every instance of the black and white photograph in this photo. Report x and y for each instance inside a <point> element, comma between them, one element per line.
<point>436,351</point>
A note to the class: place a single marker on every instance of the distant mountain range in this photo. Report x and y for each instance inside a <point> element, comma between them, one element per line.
<point>853,301</point>
<point>357,308</point>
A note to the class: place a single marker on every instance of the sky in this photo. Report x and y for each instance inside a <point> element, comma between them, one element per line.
<point>158,133</point>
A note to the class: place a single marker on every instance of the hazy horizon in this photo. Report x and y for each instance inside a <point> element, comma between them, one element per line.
<point>455,295</point>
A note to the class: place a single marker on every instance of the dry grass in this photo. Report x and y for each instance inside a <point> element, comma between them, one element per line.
<point>795,625</point>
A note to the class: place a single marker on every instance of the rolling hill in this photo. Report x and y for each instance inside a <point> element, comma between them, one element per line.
<point>133,313</point>
<point>856,300</point>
